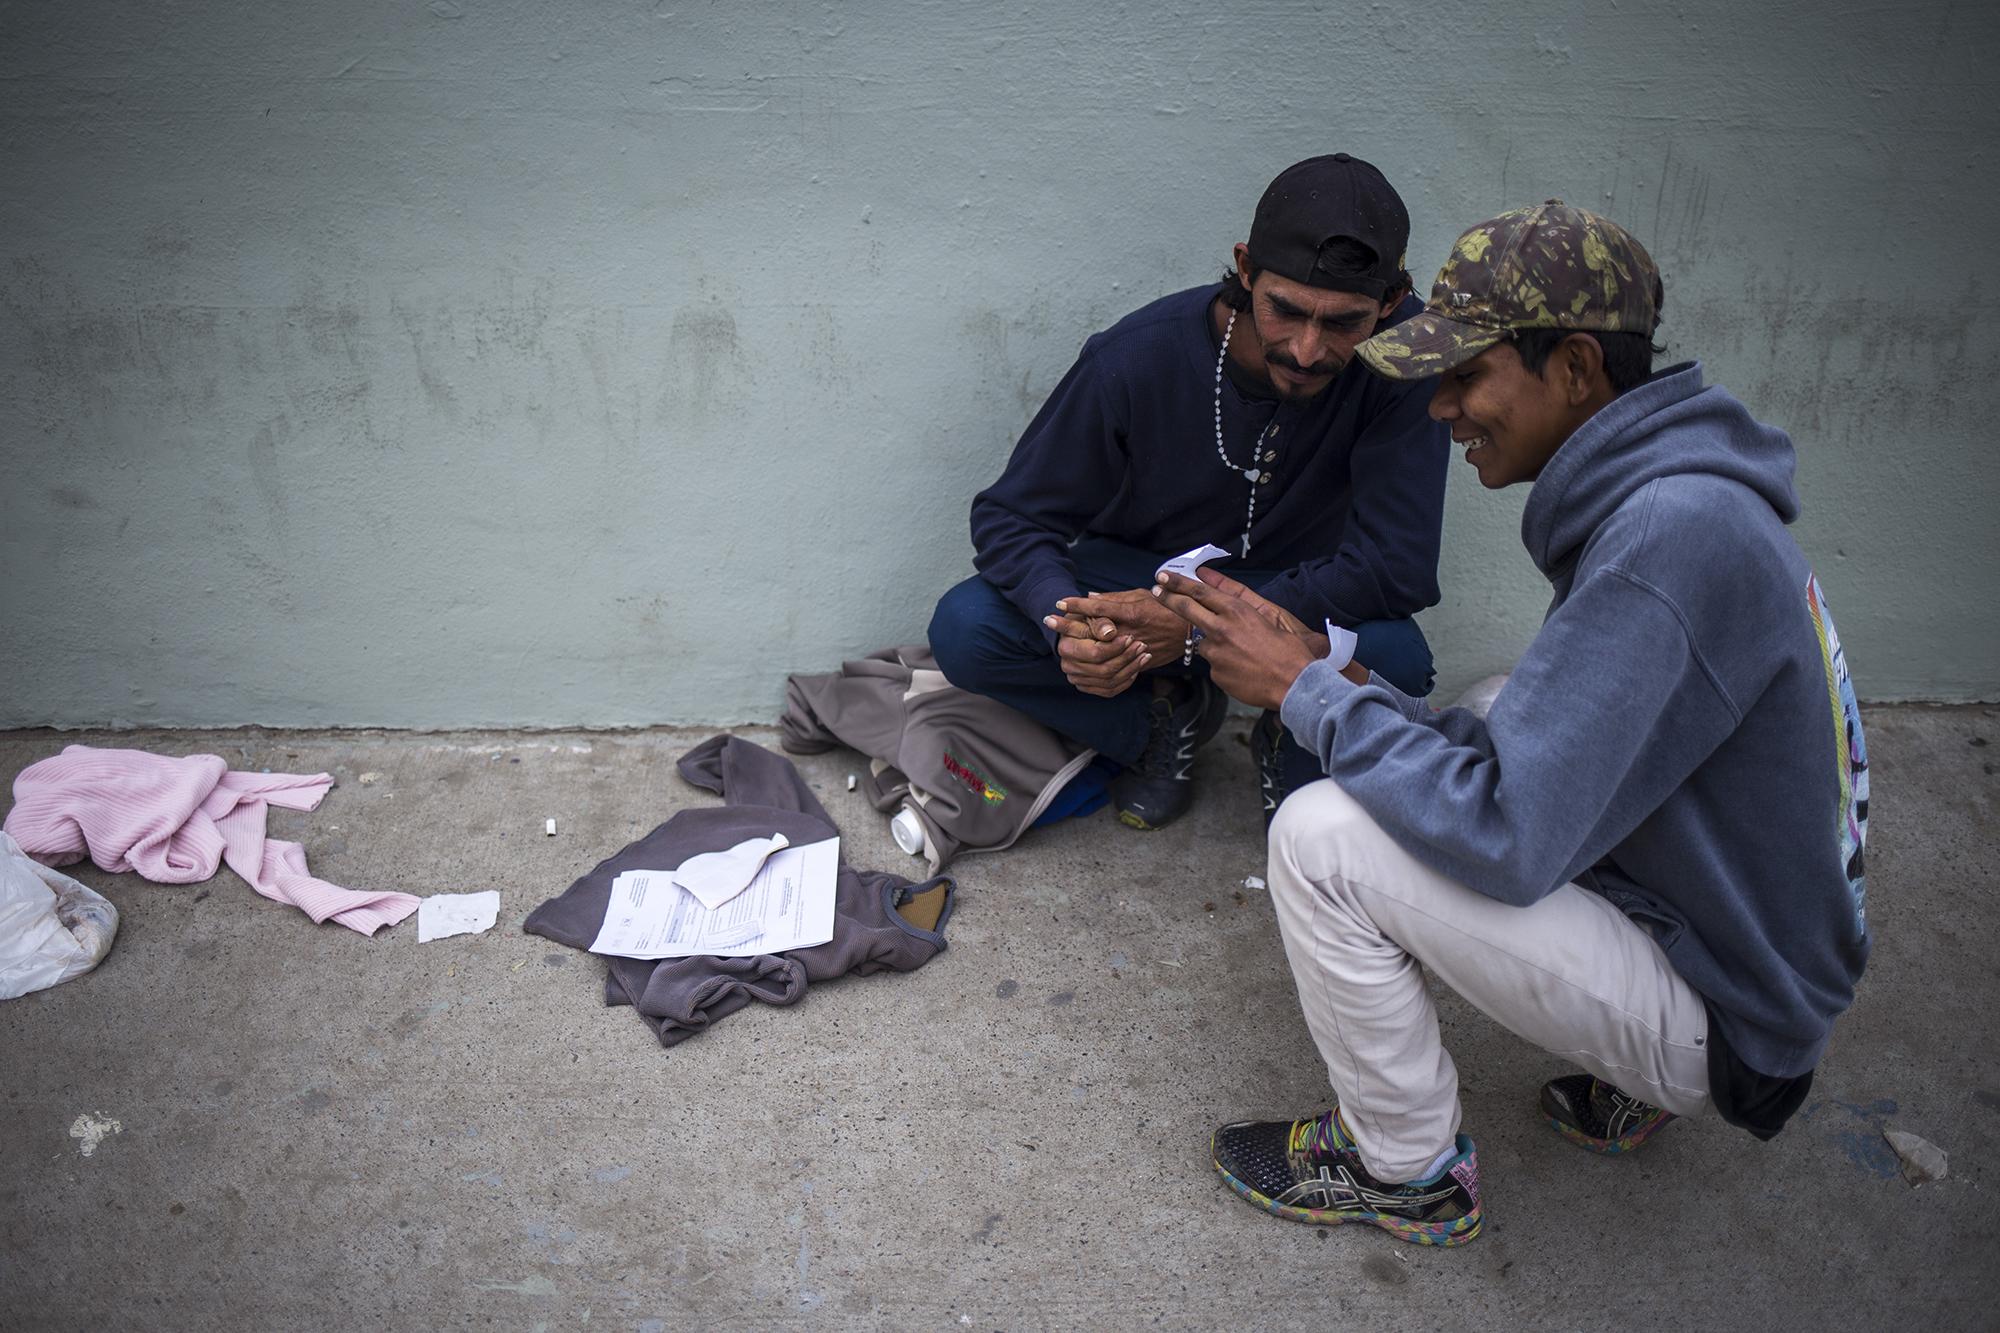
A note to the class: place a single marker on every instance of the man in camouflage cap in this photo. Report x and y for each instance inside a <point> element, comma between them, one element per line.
<point>1647,857</point>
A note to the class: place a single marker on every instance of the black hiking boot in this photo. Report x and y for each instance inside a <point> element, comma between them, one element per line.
<point>1282,765</point>
<point>1157,790</point>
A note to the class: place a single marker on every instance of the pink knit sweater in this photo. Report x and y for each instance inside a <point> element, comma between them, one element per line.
<point>172,820</point>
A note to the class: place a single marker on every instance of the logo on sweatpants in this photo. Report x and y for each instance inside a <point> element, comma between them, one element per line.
<point>973,781</point>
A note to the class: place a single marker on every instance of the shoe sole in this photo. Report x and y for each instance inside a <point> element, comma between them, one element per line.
<point>1443,1234</point>
<point>1607,1147</point>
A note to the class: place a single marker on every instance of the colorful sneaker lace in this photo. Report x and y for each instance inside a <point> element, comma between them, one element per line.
<point>1310,1171</point>
<point>1597,1117</point>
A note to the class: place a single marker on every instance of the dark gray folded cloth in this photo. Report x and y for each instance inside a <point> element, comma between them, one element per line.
<point>881,922</point>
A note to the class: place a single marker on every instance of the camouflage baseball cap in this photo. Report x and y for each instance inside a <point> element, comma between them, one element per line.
<point>1546,267</point>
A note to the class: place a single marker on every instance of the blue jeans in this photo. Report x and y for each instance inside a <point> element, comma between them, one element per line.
<point>984,644</point>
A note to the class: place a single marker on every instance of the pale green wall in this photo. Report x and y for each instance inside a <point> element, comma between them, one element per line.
<point>428,365</point>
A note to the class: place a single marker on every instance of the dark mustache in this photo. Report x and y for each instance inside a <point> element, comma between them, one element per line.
<point>1323,368</point>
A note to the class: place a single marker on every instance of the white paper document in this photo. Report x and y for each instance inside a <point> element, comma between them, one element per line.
<point>1187,562</point>
<point>446,914</point>
<point>789,905</point>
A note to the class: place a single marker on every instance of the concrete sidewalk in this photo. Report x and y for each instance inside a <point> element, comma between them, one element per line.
<point>317,1130</point>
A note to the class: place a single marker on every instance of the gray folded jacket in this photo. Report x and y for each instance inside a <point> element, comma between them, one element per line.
<point>881,922</point>
<point>977,773</point>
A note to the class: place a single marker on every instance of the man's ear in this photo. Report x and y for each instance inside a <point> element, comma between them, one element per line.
<point>1390,300</point>
<point>1243,264</point>
<point>1581,360</point>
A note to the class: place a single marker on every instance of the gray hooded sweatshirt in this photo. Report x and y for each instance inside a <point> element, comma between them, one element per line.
<point>1680,737</point>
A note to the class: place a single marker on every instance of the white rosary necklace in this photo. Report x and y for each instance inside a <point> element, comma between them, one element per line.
<point>1253,474</point>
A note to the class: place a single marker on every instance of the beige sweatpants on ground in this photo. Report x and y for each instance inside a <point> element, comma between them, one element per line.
<point>1362,919</point>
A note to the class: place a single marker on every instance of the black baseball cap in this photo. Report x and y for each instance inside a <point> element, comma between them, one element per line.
<point>1326,199</point>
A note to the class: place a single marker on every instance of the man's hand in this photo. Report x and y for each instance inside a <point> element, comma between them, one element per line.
<point>1094,655</point>
<point>1135,613</point>
<point>1255,649</point>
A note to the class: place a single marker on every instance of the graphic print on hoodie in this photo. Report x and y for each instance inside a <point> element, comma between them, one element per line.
<point>1850,758</point>
<point>1665,740</point>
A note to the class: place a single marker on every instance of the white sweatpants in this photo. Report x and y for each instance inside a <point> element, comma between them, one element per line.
<point>1361,920</point>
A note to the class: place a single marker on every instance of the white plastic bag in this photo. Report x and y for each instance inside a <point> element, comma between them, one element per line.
<point>51,927</point>
<point>716,877</point>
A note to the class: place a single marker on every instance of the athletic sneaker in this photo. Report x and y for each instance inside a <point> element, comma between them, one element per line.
<point>1596,1116</point>
<point>1310,1171</point>
<point>1157,790</point>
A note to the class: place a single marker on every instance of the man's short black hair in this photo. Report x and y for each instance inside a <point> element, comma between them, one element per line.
<point>1351,255</point>
<point>1628,357</point>
<point>1234,294</point>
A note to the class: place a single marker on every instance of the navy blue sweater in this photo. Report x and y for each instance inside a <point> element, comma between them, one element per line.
<point>1125,448</point>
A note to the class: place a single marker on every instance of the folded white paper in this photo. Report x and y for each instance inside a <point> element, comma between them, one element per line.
<point>445,914</point>
<point>716,877</point>
<point>1187,562</point>
<point>1340,644</point>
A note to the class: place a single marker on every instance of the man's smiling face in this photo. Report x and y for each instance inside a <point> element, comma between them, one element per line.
<point>1509,420</point>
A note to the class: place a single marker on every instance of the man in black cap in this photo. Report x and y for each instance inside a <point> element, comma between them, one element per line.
<point>1228,414</point>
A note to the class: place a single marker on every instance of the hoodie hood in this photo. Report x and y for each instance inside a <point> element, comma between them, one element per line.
<point>1668,426</point>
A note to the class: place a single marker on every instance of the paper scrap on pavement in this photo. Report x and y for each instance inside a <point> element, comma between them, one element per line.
<point>716,877</point>
<point>445,914</point>
<point>1922,1159</point>
<point>1187,562</point>
<point>789,905</point>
